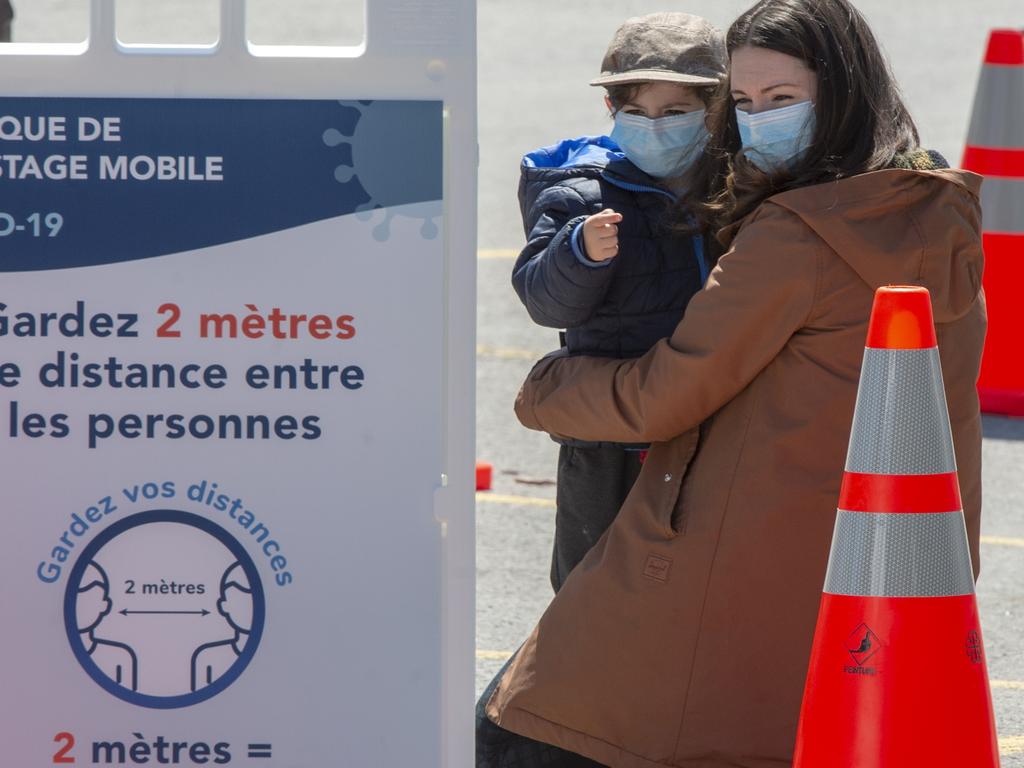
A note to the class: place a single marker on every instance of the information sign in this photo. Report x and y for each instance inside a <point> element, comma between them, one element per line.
<point>236,371</point>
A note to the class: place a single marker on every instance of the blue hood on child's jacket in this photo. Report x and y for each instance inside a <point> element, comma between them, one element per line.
<point>593,151</point>
<point>588,157</point>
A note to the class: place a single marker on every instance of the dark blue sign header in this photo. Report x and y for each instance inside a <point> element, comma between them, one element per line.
<point>98,181</point>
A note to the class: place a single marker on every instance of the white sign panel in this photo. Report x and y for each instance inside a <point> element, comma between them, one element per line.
<point>234,415</point>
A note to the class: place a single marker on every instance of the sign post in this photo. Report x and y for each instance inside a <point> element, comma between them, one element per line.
<point>236,397</point>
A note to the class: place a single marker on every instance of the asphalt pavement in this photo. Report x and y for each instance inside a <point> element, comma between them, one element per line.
<point>535,59</point>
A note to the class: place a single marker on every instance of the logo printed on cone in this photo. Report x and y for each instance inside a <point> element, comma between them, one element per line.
<point>975,652</point>
<point>899,573</point>
<point>863,644</point>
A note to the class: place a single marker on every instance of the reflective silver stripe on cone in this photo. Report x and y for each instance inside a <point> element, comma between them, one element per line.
<point>998,117</point>
<point>900,424</point>
<point>877,554</point>
<point>1002,204</point>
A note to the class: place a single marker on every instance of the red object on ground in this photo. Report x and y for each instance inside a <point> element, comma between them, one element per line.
<point>995,149</point>
<point>898,655</point>
<point>484,476</point>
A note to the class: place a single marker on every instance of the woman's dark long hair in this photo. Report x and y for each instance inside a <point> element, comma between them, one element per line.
<point>861,120</point>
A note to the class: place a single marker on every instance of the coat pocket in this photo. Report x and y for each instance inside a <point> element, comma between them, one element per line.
<point>661,482</point>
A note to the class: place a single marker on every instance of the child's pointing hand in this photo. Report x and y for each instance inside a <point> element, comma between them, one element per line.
<point>601,235</point>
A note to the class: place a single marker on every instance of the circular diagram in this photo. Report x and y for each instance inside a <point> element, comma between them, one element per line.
<point>164,609</point>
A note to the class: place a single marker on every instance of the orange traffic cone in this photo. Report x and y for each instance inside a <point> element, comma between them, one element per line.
<point>995,149</point>
<point>897,656</point>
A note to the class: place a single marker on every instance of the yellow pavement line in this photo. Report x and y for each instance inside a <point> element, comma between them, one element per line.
<point>508,353</point>
<point>515,501</point>
<point>1003,541</point>
<point>497,253</point>
<point>494,655</point>
<point>1011,745</point>
<point>1015,685</point>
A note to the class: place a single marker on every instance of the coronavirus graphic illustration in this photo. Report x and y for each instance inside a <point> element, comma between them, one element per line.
<point>399,170</point>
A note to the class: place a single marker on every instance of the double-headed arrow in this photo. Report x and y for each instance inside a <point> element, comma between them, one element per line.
<point>126,612</point>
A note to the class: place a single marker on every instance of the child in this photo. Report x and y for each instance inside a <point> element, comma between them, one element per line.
<point>604,258</point>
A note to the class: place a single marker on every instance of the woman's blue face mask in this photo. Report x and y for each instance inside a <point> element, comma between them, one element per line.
<point>776,139</point>
<point>662,147</point>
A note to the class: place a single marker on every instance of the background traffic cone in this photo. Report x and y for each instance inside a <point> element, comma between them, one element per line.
<point>484,475</point>
<point>995,149</point>
<point>897,675</point>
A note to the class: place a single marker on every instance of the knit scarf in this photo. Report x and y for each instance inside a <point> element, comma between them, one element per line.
<point>919,160</point>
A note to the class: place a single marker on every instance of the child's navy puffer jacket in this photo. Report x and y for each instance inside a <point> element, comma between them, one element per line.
<point>617,308</point>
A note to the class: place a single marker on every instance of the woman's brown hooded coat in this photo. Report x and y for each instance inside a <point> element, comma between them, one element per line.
<point>683,638</point>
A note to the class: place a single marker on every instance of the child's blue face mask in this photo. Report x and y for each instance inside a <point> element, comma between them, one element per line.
<point>662,147</point>
<point>775,139</point>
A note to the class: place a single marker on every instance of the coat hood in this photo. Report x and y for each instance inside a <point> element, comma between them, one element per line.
<point>900,226</point>
<point>567,163</point>
<point>588,156</point>
<point>586,151</point>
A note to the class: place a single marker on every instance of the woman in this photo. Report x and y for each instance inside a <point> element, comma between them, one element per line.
<point>700,602</point>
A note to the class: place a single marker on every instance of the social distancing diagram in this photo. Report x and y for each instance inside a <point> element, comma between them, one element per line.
<point>164,609</point>
<point>224,323</point>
